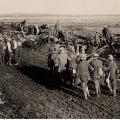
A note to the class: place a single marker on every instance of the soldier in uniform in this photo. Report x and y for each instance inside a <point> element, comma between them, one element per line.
<point>97,39</point>
<point>17,49</point>
<point>106,33</point>
<point>112,70</point>
<point>8,49</point>
<point>83,74</point>
<point>63,59</point>
<point>75,45</point>
<point>13,46</point>
<point>2,50</point>
<point>97,65</point>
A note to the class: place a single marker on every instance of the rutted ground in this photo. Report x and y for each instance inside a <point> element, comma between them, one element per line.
<point>30,92</point>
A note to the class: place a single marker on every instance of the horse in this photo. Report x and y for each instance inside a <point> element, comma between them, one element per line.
<point>30,30</point>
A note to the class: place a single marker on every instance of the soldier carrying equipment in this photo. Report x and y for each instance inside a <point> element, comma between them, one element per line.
<point>97,72</point>
<point>83,74</point>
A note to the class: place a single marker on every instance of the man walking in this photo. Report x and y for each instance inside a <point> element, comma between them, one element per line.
<point>97,65</point>
<point>83,74</point>
<point>112,70</point>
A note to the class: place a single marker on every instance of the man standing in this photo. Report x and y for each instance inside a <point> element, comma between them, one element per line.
<point>63,59</point>
<point>96,39</point>
<point>112,69</point>
<point>14,47</point>
<point>9,49</point>
<point>18,49</point>
<point>106,33</point>
<point>97,65</point>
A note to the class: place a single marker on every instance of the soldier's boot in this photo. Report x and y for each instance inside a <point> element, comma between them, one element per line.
<point>3,61</point>
<point>87,91</point>
<point>10,63</point>
<point>85,95</point>
<point>98,91</point>
<point>17,61</point>
<point>73,82</point>
<point>110,88</point>
<point>114,91</point>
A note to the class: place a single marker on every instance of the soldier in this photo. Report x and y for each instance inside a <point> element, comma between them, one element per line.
<point>97,39</point>
<point>83,74</point>
<point>2,50</point>
<point>13,46</point>
<point>97,65</point>
<point>57,28</point>
<point>63,59</point>
<point>8,49</point>
<point>112,70</point>
<point>106,33</point>
<point>53,60</point>
<point>72,68</point>
<point>17,49</point>
<point>75,45</point>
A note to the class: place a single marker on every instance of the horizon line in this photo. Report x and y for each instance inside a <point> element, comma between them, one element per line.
<point>47,14</point>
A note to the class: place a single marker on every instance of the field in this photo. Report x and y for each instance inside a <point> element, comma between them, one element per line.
<point>29,91</point>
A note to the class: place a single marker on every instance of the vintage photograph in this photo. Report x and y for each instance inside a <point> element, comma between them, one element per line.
<point>59,59</point>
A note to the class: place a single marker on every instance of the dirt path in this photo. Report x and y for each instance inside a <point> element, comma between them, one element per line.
<point>30,92</point>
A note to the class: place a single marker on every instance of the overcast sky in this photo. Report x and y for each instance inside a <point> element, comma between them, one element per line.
<point>74,7</point>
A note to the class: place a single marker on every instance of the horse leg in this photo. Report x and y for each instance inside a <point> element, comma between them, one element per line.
<point>4,58</point>
<point>14,54</point>
<point>10,59</point>
<point>18,55</point>
<point>1,61</point>
<point>19,58</point>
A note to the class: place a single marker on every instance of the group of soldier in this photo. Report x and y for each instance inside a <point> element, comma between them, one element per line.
<point>105,38</point>
<point>10,48</point>
<point>69,58</point>
<point>82,70</point>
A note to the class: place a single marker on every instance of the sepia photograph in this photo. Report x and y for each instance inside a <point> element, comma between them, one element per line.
<point>59,59</point>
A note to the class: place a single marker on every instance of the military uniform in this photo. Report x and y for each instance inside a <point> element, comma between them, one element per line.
<point>106,33</point>
<point>53,60</point>
<point>112,68</point>
<point>97,39</point>
<point>2,52</point>
<point>83,75</point>
<point>63,58</point>
<point>17,50</point>
<point>96,64</point>
<point>8,50</point>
